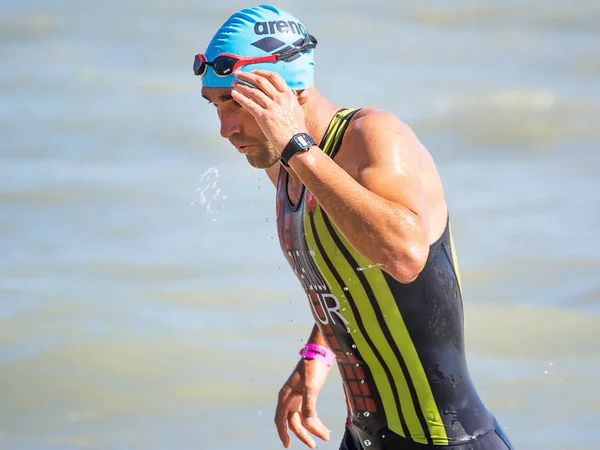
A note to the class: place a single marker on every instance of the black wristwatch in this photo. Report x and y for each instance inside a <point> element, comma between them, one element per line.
<point>300,142</point>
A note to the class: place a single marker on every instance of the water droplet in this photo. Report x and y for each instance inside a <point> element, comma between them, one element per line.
<point>357,365</point>
<point>366,414</point>
<point>367,442</point>
<point>343,309</point>
<point>360,269</point>
<point>209,195</point>
<point>353,345</point>
<point>362,381</point>
<point>383,436</point>
<point>345,288</point>
<point>355,331</point>
<point>348,329</point>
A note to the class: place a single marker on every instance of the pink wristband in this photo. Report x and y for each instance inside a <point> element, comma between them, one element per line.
<point>314,351</point>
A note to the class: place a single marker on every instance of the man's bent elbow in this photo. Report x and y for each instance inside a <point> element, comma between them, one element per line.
<point>406,268</point>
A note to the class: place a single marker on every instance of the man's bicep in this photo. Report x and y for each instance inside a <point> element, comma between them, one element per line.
<point>389,165</point>
<point>399,188</point>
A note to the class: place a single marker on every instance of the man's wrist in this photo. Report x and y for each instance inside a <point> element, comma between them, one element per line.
<point>299,143</point>
<point>317,352</point>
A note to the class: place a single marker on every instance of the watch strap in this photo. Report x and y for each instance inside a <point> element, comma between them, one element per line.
<point>300,142</point>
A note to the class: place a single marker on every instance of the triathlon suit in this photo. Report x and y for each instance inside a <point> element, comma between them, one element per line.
<point>399,347</point>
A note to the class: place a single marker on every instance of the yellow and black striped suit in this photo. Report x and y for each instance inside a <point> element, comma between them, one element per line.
<point>399,347</point>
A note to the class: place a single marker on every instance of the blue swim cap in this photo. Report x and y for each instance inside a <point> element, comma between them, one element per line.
<point>261,31</point>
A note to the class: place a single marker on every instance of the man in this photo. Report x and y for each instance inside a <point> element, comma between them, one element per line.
<point>363,222</point>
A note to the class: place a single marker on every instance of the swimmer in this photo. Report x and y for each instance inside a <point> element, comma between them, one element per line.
<point>363,222</point>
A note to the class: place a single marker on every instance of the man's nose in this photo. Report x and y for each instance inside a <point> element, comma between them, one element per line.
<point>230,124</point>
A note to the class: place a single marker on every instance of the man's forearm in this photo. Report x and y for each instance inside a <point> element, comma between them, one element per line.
<point>317,338</point>
<point>383,231</point>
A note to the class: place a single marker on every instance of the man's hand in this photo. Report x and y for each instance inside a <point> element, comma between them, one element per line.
<point>272,103</point>
<point>296,405</point>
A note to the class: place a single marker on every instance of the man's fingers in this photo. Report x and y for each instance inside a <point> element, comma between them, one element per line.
<point>282,431</point>
<point>281,425</point>
<point>246,103</point>
<point>275,79</point>
<point>256,95</point>
<point>298,429</point>
<point>316,427</point>
<point>310,420</point>
<point>259,80</point>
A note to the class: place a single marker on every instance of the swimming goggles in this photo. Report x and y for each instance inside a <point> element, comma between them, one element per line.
<point>225,64</point>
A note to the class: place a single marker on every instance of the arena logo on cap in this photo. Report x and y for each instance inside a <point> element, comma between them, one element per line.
<point>269,44</point>
<point>279,26</point>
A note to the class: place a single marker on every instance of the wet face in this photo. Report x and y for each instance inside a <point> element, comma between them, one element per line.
<point>241,129</point>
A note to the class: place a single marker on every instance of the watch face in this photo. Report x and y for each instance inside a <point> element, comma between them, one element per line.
<point>302,141</point>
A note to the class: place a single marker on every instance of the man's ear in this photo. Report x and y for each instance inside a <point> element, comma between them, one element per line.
<point>302,96</point>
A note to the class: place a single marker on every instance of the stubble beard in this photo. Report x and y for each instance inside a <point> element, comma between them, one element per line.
<point>265,159</point>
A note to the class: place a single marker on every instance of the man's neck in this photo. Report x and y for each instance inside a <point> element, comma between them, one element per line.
<point>318,112</point>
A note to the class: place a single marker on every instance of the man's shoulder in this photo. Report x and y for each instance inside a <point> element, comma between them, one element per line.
<point>372,128</point>
<point>372,121</point>
<point>377,138</point>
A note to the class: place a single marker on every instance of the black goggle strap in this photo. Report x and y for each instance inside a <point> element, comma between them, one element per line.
<point>289,54</point>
